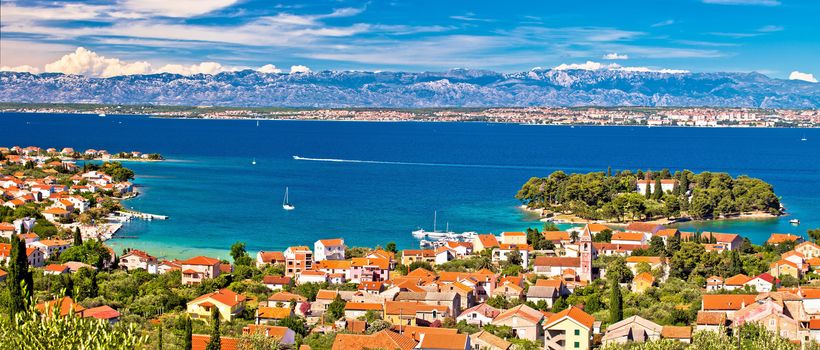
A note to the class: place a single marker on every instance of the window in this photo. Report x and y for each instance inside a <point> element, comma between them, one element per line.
<point>577,332</point>
<point>577,345</point>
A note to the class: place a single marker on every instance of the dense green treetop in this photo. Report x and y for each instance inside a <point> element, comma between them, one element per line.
<point>597,195</point>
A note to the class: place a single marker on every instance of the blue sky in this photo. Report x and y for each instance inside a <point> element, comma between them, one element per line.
<point>774,37</point>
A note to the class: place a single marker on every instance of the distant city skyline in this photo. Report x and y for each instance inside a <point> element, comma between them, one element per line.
<point>109,38</point>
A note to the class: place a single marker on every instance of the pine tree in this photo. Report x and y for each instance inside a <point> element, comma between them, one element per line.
<point>215,343</point>
<point>658,189</point>
<point>616,312</point>
<point>20,281</point>
<point>78,237</point>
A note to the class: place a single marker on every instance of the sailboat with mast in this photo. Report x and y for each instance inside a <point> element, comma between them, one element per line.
<point>286,203</point>
<point>422,233</point>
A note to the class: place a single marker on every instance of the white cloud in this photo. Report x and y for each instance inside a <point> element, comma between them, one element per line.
<point>174,8</point>
<point>588,65</point>
<point>615,56</point>
<point>591,65</point>
<point>23,68</point>
<point>744,2</point>
<point>299,69</point>
<point>802,76</point>
<point>269,68</point>
<point>200,68</point>
<point>86,62</point>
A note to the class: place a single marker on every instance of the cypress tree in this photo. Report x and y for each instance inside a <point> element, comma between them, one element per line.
<point>78,237</point>
<point>684,183</point>
<point>215,343</point>
<point>616,312</point>
<point>609,171</point>
<point>188,329</point>
<point>658,189</point>
<point>648,192</point>
<point>20,282</point>
<point>159,337</point>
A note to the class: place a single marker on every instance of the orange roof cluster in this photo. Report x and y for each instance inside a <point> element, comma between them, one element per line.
<point>557,261</point>
<point>223,296</point>
<point>332,242</point>
<point>488,240</point>
<point>555,236</point>
<point>276,313</point>
<point>676,332</point>
<point>727,301</point>
<point>777,238</point>
<point>522,311</point>
<point>737,280</point>
<point>628,236</point>
<point>573,313</point>
<point>200,260</point>
<point>384,339</point>
<point>645,259</point>
<point>286,297</point>
<point>352,306</point>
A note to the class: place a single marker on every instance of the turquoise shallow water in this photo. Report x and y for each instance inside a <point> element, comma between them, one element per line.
<point>378,181</point>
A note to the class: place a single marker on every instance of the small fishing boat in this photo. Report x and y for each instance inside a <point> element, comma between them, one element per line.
<point>285,203</point>
<point>101,115</point>
<point>257,123</point>
<point>794,222</point>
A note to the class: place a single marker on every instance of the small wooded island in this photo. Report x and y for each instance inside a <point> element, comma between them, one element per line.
<point>651,195</point>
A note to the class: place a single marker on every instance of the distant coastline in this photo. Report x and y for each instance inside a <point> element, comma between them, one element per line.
<point>534,116</point>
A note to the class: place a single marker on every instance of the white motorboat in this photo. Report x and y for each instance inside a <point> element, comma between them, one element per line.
<point>794,222</point>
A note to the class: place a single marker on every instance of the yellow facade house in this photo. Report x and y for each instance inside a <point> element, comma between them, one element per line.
<point>228,303</point>
<point>642,282</point>
<point>568,329</point>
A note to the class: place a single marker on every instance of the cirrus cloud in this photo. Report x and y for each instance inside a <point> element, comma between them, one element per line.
<point>615,56</point>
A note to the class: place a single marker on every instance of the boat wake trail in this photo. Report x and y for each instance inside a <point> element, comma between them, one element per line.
<point>449,165</point>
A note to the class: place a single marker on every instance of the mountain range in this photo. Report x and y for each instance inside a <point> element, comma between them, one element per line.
<point>453,88</point>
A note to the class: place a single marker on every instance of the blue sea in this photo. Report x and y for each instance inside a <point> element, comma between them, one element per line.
<point>373,183</point>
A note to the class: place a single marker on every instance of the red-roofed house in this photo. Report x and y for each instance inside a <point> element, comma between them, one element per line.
<point>229,304</point>
<point>525,321</point>
<point>568,329</point>
<point>635,238</point>
<point>103,312</point>
<point>329,249</point>
<point>298,259</point>
<point>763,283</point>
<point>480,314</point>
<point>481,242</point>
<point>778,238</point>
<point>726,303</point>
<point>276,282</point>
<point>137,259</point>
<point>198,268</point>
<point>502,252</point>
<point>513,238</point>
<point>264,258</point>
